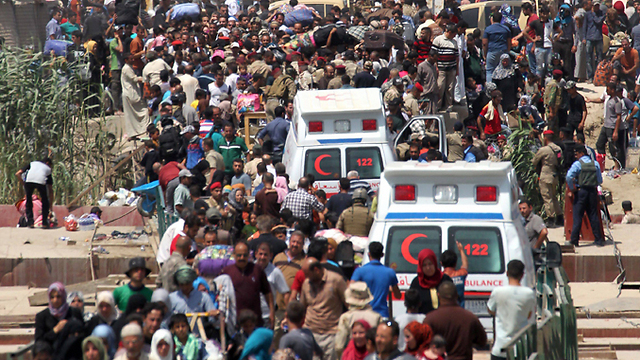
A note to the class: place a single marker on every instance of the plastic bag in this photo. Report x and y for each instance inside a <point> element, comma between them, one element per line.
<point>70,223</point>
<point>248,103</point>
<point>86,222</point>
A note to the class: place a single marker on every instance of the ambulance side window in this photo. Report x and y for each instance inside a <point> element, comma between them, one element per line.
<point>366,160</point>
<point>405,242</point>
<point>483,246</point>
<point>323,164</point>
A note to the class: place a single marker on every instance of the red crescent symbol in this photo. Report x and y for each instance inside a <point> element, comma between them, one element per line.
<point>317,164</point>
<point>405,248</point>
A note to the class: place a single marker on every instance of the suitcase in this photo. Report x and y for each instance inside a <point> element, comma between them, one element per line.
<point>382,40</point>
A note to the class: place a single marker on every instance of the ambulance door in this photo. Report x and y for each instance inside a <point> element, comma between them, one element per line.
<point>402,244</point>
<point>325,164</point>
<point>438,127</point>
<point>367,161</point>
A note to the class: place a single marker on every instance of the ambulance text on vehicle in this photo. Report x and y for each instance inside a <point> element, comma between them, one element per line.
<point>434,205</point>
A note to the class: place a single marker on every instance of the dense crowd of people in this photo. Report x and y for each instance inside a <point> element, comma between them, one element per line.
<point>256,260</point>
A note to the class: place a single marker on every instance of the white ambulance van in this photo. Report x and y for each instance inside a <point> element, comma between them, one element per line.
<point>336,131</point>
<point>433,205</point>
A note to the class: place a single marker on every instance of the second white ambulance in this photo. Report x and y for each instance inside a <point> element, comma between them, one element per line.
<point>434,205</point>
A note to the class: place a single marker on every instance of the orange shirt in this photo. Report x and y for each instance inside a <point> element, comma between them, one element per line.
<point>629,59</point>
<point>135,47</point>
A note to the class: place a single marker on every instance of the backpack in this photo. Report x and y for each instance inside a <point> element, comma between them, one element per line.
<point>169,144</point>
<point>603,73</point>
<point>344,257</point>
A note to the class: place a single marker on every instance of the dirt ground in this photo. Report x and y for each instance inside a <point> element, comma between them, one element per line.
<point>623,187</point>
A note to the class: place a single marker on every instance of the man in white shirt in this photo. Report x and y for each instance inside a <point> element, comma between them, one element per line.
<point>514,307</point>
<point>37,176</point>
<point>217,88</point>
<point>189,84</point>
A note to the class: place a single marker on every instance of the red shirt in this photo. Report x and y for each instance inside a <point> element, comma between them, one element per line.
<point>532,32</point>
<point>493,126</point>
<point>248,285</point>
<point>167,173</point>
<point>172,248</point>
<point>422,48</point>
<point>297,281</point>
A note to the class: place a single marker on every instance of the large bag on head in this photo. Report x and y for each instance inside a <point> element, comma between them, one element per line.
<point>59,47</point>
<point>127,12</point>
<point>189,10</point>
<point>603,73</point>
<point>303,16</point>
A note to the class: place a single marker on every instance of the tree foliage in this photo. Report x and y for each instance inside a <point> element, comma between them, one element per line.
<point>524,148</point>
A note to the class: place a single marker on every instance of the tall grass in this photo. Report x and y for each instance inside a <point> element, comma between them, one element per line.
<point>44,111</point>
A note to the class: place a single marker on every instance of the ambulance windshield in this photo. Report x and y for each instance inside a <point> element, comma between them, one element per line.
<point>405,242</point>
<point>483,246</point>
<point>366,160</point>
<point>324,164</point>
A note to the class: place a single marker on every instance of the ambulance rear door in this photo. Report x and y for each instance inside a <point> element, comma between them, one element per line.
<point>484,243</point>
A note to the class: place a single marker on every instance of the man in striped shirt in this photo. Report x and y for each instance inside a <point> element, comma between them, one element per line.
<point>356,183</point>
<point>423,45</point>
<point>447,49</point>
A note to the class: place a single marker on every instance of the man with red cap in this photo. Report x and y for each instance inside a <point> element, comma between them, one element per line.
<point>552,100</point>
<point>548,162</point>
<point>505,149</point>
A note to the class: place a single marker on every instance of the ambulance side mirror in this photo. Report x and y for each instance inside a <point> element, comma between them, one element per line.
<point>554,254</point>
<point>551,255</point>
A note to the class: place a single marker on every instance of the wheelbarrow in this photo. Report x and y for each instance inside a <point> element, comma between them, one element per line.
<point>148,195</point>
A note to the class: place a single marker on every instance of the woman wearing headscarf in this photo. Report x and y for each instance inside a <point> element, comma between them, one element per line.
<point>417,336</point>
<point>201,285</point>
<point>237,204</point>
<point>509,81</point>
<point>76,299</point>
<point>93,349</point>
<point>106,312</point>
<point>281,188</point>
<point>357,347</point>
<point>428,279</point>
<point>108,337</point>
<point>161,345</point>
<point>258,344</point>
<point>51,321</point>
